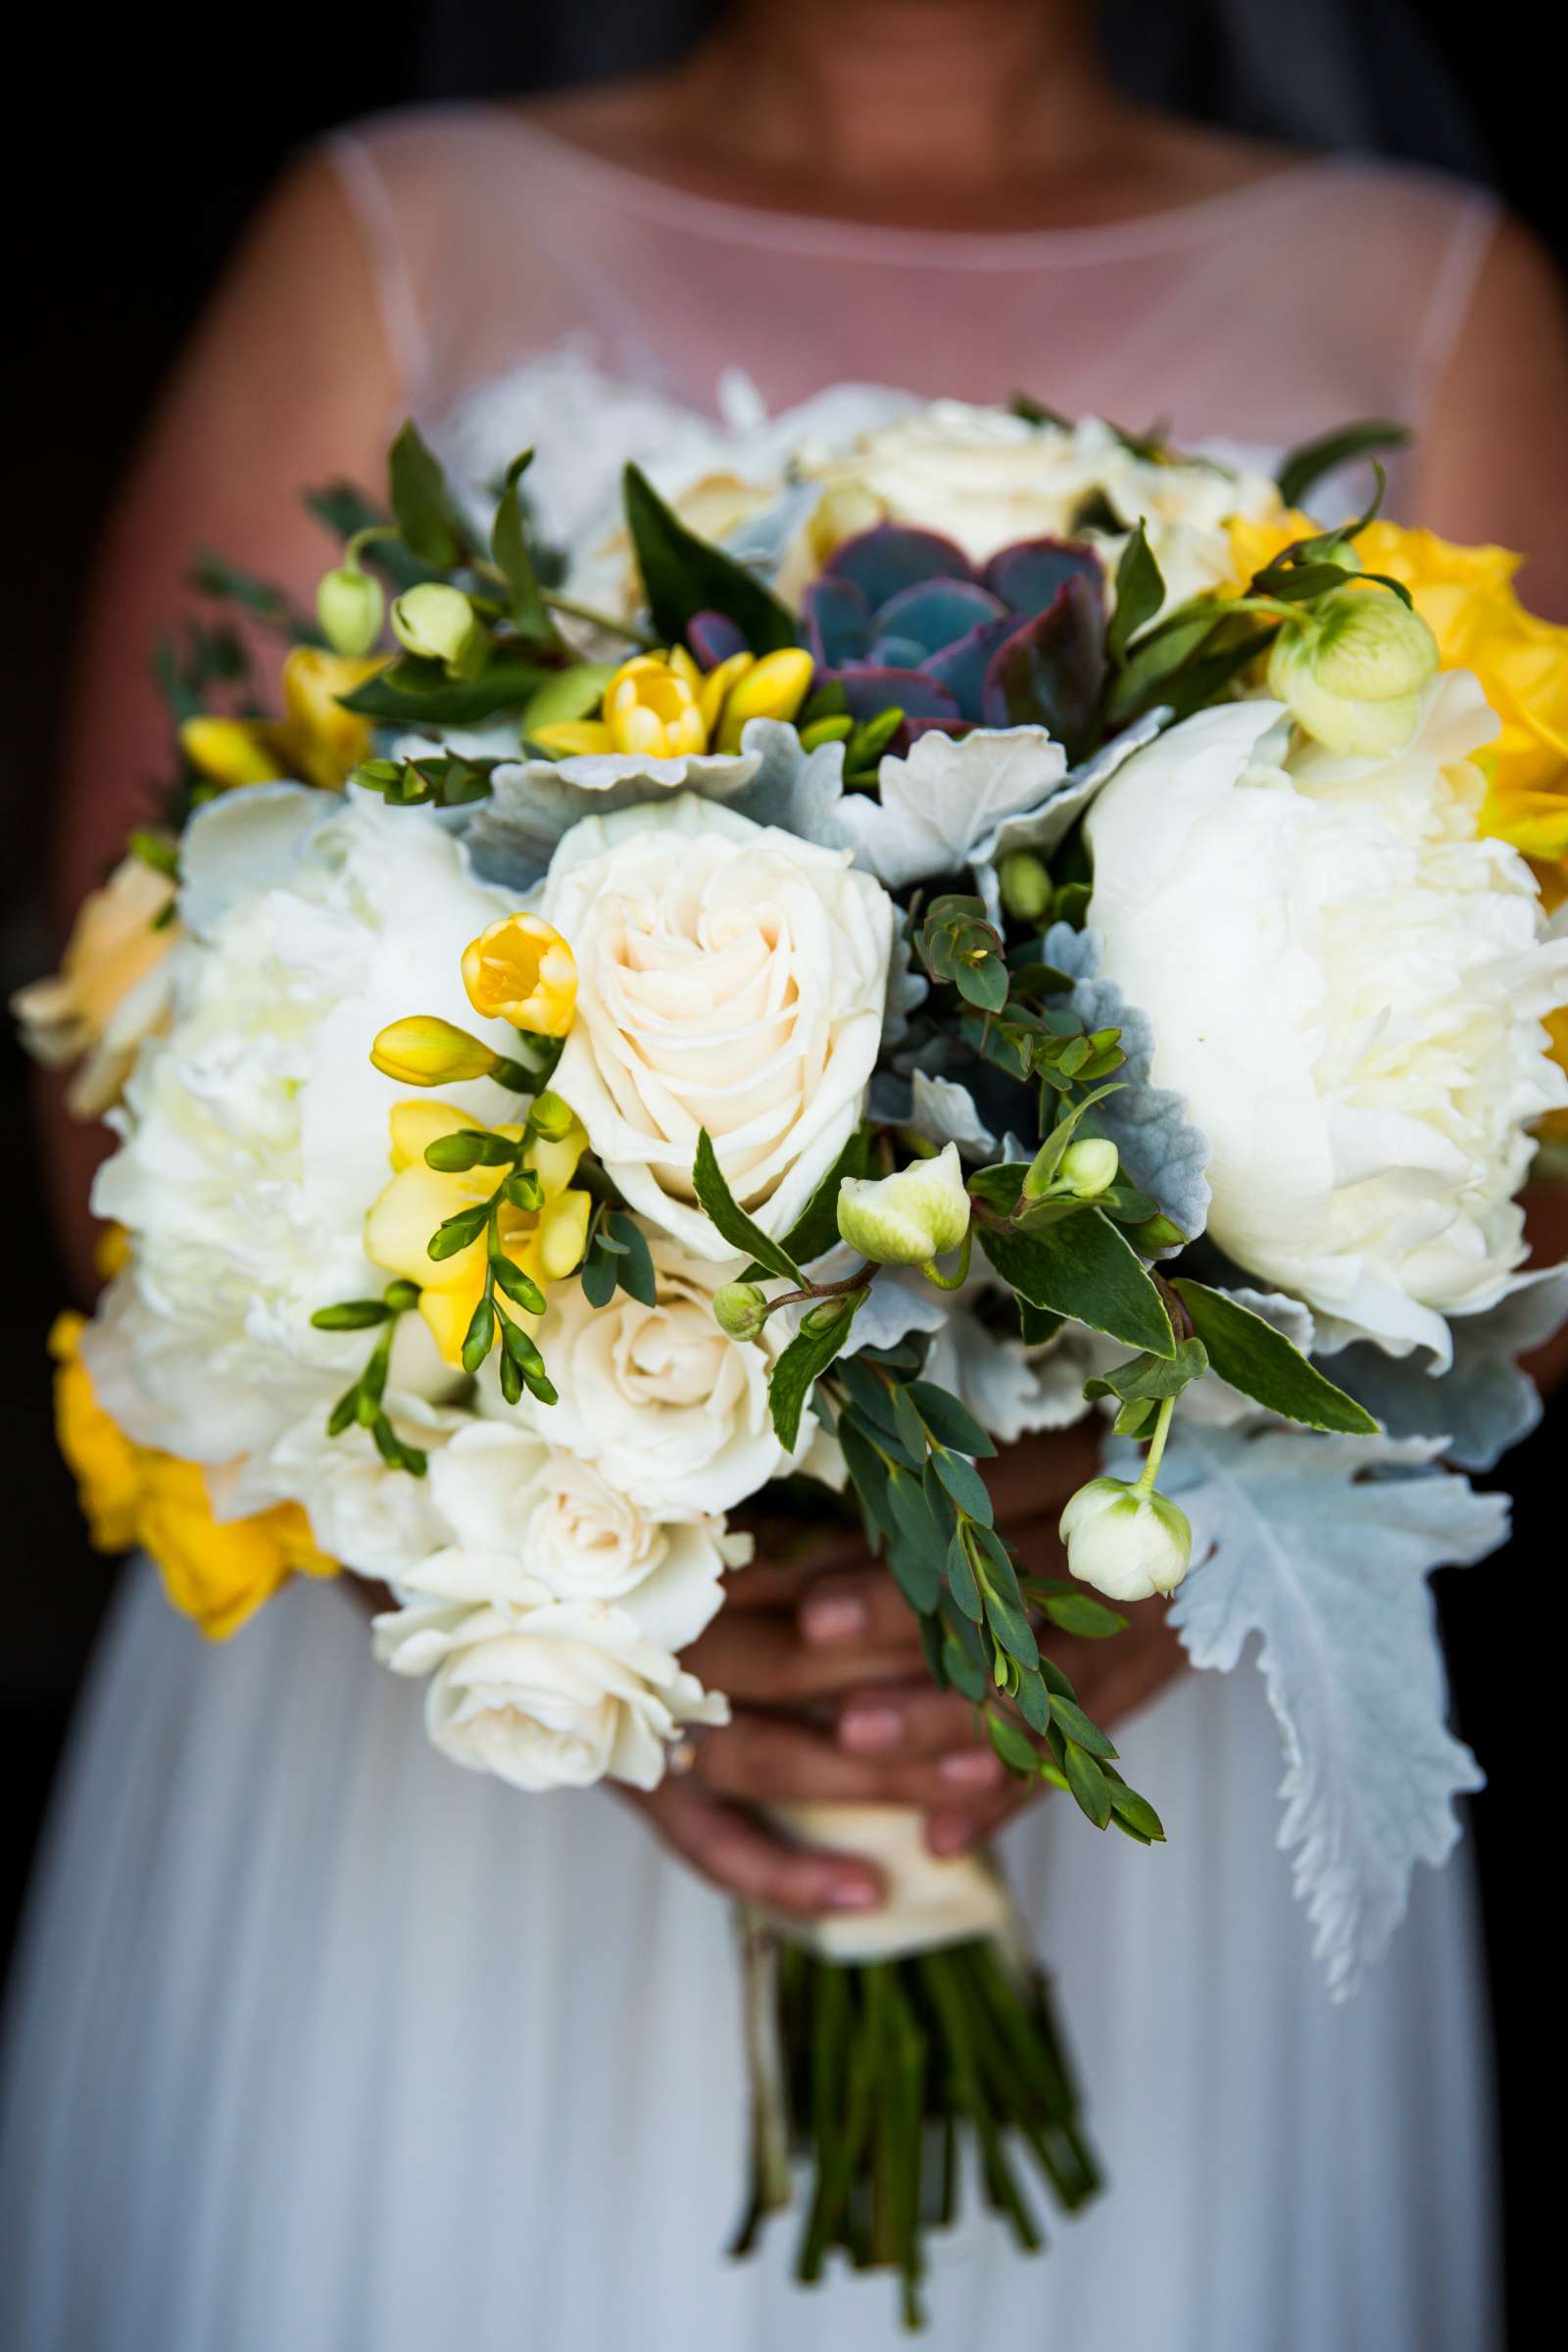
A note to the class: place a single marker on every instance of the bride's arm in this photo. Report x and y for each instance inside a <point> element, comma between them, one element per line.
<point>1493,467</point>
<point>286,383</point>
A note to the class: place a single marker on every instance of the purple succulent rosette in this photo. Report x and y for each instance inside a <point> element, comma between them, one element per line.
<point>902,619</point>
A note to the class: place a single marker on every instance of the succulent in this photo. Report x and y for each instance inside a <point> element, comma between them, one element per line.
<point>900,619</point>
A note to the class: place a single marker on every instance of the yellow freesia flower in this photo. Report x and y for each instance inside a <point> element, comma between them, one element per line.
<point>521,970</point>
<point>315,741</point>
<point>662,707</point>
<point>215,1572</point>
<point>545,1244</point>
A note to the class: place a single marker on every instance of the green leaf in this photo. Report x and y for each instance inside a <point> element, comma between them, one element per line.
<point>1013,1745</point>
<point>984,982</point>
<point>351,1315</point>
<point>1150,1379</point>
<point>963,1483</point>
<point>725,1213</point>
<point>683,574</point>
<point>1073,1610</point>
<point>431,527</point>
<point>816,1230</point>
<point>508,544</point>
<point>1075,1725</point>
<point>1042,1169</point>
<point>1306,465</point>
<point>1135,1811</point>
<point>1139,593</point>
<point>867,1475</point>
<point>634,1267</point>
<point>567,694</point>
<point>1262,1362</point>
<point>918,1579</point>
<point>414,691</point>
<point>949,1422</point>
<point>961,1578</point>
<point>805,1358</point>
<point>1085,1779</point>
<point>1084,1269</point>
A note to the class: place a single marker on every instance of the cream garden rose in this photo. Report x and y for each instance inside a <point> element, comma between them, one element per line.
<point>1349,987</point>
<point>730,977</point>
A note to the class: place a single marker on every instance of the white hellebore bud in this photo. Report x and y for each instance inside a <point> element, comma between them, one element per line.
<point>918,1213</point>
<point>350,605</point>
<point>438,622</point>
<point>1126,1543</point>
<point>1088,1168</point>
<point>1353,670</point>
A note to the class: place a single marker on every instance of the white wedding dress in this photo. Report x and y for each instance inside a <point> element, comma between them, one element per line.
<point>319,2044</point>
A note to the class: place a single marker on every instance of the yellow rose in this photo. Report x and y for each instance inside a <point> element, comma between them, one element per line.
<point>521,970</point>
<point>100,1457</point>
<point>545,1244</point>
<point>219,1572</point>
<point>111,989</point>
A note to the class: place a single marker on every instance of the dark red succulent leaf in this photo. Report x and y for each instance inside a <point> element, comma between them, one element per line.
<point>1050,672</point>
<point>713,637</point>
<point>838,621</point>
<point>870,690</point>
<point>1028,574</point>
<point>961,667</point>
<point>933,612</point>
<point>893,555</point>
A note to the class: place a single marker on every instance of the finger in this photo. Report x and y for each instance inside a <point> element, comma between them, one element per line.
<point>734,1851</point>
<point>907,1725</point>
<point>953,1830</point>
<point>761,1657</point>
<point>855,1608</point>
<point>768,1758</point>
<point>779,1573</point>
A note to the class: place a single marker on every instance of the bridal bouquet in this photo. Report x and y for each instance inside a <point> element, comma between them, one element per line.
<point>1004,922</point>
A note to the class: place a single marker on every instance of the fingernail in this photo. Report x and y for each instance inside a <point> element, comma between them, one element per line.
<point>971,1768</point>
<point>836,1617</point>
<point>853,1894</point>
<point>947,1835</point>
<point>871,1729</point>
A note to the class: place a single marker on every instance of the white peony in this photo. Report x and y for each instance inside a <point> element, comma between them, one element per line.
<point>255,1131</point>
<point>985,478</point>
<point>1348,988</point>
<point>545,1695</point>
<point>730,976</point>
<point>673,1413</point>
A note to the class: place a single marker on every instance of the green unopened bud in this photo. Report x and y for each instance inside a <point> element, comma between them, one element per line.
<point>1126,1543</point>
<point>1025,886</point>
<point>349,608</point>
<point>1158,1233</point>
<point>425,1051</point>
<point>550,1116</point>
<point>905,1219</point>
<point>440,624</point>
<point>741,1310</point>
<point>1088,1168</point>
<point>1353,670</point>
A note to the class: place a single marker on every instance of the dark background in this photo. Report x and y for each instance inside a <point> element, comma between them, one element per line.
<point>134,153</point>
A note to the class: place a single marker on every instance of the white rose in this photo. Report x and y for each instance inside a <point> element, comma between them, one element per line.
<point>504,1491</point>
<point>555,1695</point>
<point>1348,988</point>
<point>730,977</point>
<point>672,1411</point>
<point>986,479</point>
<point>255,1131</point>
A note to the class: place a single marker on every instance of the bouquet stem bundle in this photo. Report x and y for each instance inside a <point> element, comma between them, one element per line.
<point>878,2076</point>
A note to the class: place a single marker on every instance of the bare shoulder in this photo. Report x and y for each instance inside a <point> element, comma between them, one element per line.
<point>1494,462</point>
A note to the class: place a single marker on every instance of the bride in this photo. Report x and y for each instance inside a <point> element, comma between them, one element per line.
<point>317,2042</point>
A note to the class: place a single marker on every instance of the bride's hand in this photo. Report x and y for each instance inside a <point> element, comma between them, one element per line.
<point>833,1700</point>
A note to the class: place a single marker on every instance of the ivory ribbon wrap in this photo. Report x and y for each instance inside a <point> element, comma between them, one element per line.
<point>930,1901</point>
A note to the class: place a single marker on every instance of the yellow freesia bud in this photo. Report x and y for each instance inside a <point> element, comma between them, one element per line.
<point>545,1244</point>
<point>718,683</point>
<point>439,623</point>
<point>231,751</point>
<point>350,607</point>
<point>521,970</point>
<point>774,687</point>
<point>652,707</point>
<point>425,1051</point>
<point>320,740</point>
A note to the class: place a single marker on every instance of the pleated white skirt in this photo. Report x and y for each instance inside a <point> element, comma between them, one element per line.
<point>319,2044</point>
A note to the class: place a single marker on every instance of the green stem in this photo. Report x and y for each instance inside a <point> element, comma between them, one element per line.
<point>1144,1484</point>
<point>952,1282</point>
<point>601,620</point>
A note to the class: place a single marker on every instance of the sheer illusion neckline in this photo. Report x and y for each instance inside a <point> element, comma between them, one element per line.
<point>969,248</point>
<point>723,219</point>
